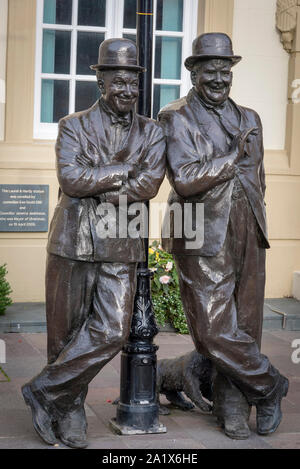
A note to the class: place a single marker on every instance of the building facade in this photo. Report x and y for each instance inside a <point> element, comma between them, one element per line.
<point>46,47</point>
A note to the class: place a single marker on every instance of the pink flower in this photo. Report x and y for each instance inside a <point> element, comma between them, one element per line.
<point>169,266</point>
<point>164,279</point>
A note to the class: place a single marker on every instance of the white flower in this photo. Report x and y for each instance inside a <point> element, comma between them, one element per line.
<point>153,269</point>
<point>164,279</point>
<point>169,266</point>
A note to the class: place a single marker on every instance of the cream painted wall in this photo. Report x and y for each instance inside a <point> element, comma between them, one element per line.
<point>261,78</point>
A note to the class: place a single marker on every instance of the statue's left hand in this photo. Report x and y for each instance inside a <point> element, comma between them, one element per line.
<point>134,171</point>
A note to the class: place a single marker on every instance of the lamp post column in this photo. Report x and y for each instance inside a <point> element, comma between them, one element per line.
<point>137,410</point>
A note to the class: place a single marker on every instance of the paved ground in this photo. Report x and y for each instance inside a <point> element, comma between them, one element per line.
<point>26,354</point>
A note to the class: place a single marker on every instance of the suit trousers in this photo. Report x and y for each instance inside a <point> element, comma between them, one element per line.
<point>89,310</point>
<point>223,299</point>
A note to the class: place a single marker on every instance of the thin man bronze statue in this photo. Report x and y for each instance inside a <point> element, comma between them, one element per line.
<point>215,158</point>
<point>103,153</point>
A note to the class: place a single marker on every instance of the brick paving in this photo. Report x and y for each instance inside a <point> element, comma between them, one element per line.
<point>26,355</point>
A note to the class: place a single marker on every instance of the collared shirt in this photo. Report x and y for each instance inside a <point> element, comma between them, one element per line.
<point>119,125</point>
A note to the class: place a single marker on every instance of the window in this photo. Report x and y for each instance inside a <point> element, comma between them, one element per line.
<point>69,33</point>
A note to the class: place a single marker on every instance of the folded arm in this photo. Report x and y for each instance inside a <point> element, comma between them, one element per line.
<point>76,179</point>
<point>189,170</point>
<point>150,171</point>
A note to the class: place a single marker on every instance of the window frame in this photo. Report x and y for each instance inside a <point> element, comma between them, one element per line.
<point>113,28</point>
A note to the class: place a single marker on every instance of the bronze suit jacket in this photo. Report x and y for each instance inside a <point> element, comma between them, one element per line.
<point>201,170</point>
<point>73,228</point>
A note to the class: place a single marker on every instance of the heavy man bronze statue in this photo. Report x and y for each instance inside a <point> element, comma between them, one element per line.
<point>215,157</point>
<point>102,153</point>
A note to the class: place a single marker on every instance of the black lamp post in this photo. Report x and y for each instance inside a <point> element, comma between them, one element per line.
<point>137,410</point>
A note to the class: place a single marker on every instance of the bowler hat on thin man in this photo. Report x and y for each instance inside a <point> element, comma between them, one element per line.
<point>212,46</point>
<point>117,54</point>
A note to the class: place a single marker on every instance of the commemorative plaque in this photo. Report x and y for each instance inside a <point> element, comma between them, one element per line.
<point>24,207</point>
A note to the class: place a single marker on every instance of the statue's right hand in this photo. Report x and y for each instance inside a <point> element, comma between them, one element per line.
<point>85,160</point>
<point>239,141</point>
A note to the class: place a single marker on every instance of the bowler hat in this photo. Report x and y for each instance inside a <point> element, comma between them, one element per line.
<point>211,46</point>
<point>117,53</point>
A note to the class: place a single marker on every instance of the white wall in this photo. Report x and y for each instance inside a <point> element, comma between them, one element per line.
<point>261,78</point>
<point>3,41</point>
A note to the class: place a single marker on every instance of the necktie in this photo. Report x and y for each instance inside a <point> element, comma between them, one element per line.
<point>227,125</point>
<point>231,129</point>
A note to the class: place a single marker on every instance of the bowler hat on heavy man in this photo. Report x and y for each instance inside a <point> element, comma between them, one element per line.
<point>211,46</point>
<point>117,53</point>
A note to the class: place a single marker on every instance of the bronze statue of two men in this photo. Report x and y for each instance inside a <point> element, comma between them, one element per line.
<point>214,152</point>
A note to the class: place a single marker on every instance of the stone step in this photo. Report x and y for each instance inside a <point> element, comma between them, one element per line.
<point>24,317</point>
<point>31,317</point>
<point>282,313</point>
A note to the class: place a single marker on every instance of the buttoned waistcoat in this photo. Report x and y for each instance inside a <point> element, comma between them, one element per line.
<point>201,170</point>
<point>72,231</point>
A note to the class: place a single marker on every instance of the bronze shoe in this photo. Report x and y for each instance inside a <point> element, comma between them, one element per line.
<point>235,426</point>
<point>71,428</point>
<point>269,413</point>
<point>41,418</point>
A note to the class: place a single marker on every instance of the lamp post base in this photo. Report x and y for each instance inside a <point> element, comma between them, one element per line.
<point>132,430</point>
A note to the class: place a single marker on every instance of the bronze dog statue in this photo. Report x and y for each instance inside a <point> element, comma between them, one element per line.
<point>190,373</point>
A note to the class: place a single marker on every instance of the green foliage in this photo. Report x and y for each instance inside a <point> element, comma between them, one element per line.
<point>165,289</point>
<point>5,290</point>
<point>7,378</point>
